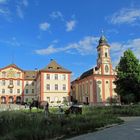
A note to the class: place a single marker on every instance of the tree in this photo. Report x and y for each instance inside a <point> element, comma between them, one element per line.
<point>128,78</point>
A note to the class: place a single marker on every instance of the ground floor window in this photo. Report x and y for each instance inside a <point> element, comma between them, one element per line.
<point>48,99</point>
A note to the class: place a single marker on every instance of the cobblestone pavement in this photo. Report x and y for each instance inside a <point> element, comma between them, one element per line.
<point>130,130</point>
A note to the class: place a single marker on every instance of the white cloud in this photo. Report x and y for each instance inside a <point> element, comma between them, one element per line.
<point>86,46</point>
<point>20,12</point>
<point>25,3</point>
<point>57,14</point>
<point>3,1</point>
<point>117,49</point>
<point>125,15</point>
<point>112,31</point>
<point>70,25</point>
<point>11,42</point>
<point>44,26</point>
<point>47,51</point>
<point>20,8</point>
<point>4,10</point>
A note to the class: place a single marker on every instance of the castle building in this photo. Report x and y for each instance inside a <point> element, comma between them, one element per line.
<point>50,84</point>
<point>96,86</point>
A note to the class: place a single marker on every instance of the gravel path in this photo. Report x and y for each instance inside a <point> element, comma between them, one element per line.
<point>130,130</point>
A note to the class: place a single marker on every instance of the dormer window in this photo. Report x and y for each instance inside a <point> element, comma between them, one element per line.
<point>58,67</point>
<point>49,67</point>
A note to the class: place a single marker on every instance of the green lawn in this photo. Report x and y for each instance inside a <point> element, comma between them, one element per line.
<point>25,125</point>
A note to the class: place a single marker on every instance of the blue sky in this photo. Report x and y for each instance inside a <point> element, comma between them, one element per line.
<point>34,31</point>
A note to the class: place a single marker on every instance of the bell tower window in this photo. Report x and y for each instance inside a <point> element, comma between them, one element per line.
<point>98,55</point>
<point>105,54</point>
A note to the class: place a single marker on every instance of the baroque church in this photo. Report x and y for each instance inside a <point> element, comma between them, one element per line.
<point>95,86</point>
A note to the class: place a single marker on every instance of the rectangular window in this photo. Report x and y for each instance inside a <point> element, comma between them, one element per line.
<point>48,77</point>
<point>18,90</point>
<point>83,90</point>
<point>3,90</point>
<point>105,54</point>
<point>18,82</point>
<point>48,86</point>
<point>64,86</point>
<point>32,90</point>
<point>27,83</point>
<point>56,77</point>
<point>64,77</point>
<point>86,87</point>
<point>26,91</point>
<point>11,90</point>
<point>56,86</point>
<point>48,99</point>
<point>3,82</point>
<point>32,83</point>
<point>10,82</point>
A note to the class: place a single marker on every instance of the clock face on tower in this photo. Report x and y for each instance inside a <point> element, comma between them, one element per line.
<point>106,68</point>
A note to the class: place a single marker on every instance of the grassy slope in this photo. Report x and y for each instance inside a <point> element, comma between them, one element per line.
<point>23,125</point>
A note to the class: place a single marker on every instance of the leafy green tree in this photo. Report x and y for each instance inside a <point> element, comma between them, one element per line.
<point>128,78</point>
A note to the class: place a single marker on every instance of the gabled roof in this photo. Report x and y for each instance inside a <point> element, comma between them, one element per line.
<point>13,66</point>
<point>86,74</point>
<point>53,66</point>
<point>30,75</point>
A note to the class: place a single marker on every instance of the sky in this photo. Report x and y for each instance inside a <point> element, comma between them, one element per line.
<point>32,32</point>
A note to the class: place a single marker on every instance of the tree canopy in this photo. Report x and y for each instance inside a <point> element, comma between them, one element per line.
<point>128,78</point>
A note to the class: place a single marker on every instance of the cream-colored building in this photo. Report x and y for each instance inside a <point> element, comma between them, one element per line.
<point>54,83</point>
<point>50,84</point>
<point>96,86</point>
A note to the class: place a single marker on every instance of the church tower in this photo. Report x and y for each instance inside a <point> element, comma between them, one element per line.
<point>104,60</point>
<point>96,85</point>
